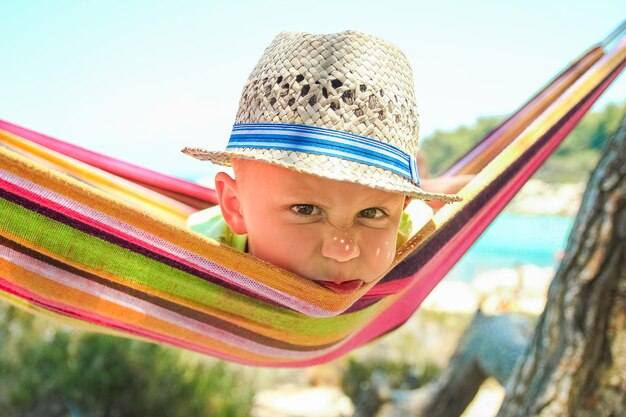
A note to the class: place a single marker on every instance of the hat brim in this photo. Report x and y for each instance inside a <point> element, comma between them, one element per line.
<point>326,167</point>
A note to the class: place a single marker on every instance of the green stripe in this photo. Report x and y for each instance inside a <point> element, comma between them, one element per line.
<point>81,248</point>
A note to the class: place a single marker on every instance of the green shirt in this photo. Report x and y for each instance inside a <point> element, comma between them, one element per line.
<point>211,223</point>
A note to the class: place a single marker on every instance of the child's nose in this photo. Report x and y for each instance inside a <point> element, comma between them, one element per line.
<point>340,246</point>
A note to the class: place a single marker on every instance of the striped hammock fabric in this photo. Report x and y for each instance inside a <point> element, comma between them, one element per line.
<point>101,244</point>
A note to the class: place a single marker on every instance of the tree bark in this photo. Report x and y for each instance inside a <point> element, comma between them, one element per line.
<point>575,365</point>
<point>490,347</point>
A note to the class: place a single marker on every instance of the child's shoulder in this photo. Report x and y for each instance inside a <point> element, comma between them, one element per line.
<point>210,223</point>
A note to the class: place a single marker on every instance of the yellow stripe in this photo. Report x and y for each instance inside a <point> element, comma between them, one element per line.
<point>45,288</point>
<point>178,235</point>
<point>284,325</point>
<point>115,186</point>
<point>553,113</point>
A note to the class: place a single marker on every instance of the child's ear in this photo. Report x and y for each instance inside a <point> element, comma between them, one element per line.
<point>407,200</point>
<point>228,197</point>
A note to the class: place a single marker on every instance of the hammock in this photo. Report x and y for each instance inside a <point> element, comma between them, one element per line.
<point>101,244</point>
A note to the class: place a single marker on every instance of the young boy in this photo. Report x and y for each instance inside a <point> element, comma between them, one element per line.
<point>323,150</point>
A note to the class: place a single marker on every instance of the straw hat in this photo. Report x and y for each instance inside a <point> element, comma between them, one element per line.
<point>340,106</point>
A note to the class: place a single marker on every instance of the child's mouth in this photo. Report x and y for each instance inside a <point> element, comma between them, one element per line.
<point>345,287</point>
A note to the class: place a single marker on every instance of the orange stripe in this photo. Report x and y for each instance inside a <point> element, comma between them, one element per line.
<point>115,186</point>
<point>284,327</point>
<point>521,121</point>
<point>83,301</point>
<point>206,248</point>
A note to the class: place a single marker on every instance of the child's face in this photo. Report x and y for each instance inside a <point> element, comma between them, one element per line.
<point>337,233</point>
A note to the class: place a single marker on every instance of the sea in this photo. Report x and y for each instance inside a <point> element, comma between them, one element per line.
<point>513,240</point>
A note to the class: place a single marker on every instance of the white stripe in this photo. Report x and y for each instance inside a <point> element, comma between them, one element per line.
<point>402,159</point>
<point>278,145</point>
<point>323,131</point>
<point>77,282</point>
<point>196,260</point>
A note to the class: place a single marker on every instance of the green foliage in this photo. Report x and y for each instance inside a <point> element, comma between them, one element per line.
<point>580,151</point>
<point>442,148</point>
<point>571,162</point>
<point>62,373</point>
<point>593,130</point>
<point>355,380</point>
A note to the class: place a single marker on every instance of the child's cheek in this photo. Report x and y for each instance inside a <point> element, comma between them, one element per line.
<point>382,251</point>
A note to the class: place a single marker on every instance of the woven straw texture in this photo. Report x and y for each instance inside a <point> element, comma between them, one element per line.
<point>346,81</point>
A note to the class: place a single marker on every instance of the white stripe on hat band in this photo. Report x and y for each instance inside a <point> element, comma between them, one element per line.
<point>311,130</point>
<point>323,141</point>
<point>401,158</point>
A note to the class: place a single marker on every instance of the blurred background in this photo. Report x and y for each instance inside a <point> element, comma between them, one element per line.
<point>139,80</point>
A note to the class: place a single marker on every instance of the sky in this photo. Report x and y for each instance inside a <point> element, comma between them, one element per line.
<point>139,80</point>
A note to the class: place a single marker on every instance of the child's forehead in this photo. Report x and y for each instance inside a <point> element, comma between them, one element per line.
<point>289,181</point>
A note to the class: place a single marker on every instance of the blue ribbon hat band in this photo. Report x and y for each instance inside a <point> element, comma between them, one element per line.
<point>324,141</point>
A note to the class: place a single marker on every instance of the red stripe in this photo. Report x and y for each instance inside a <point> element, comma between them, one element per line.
<point>58,208</point>
<point>90,317</point>
<point>114,165</point>
<point>435,268</point>
<point>493,136</point>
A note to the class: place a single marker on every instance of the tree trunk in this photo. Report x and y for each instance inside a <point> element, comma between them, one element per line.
<point>575,365</point>
<point>490,347</point>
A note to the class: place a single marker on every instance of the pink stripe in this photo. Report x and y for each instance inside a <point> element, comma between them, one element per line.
<point>22,192</point>
<point>435,269</point>
<point>78,283</point>
<point>388,288</point>
<point>113,165</point>
<point>89,317</point>
<point>125,231</point>
<point>521,112</point>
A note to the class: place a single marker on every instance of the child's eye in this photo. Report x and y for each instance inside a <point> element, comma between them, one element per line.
<point>306,209</point>
<point>372,213</point>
